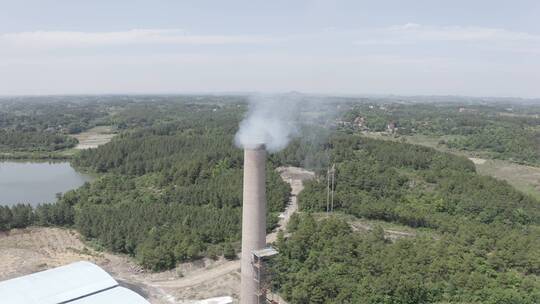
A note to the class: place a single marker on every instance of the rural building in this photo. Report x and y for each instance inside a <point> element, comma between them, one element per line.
<point>392,127</point>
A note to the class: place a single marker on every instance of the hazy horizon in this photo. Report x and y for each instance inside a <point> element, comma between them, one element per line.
<point>337,48</point>
<point>247,94</point>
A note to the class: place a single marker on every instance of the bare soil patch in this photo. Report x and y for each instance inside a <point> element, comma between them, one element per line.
<point>25,251</point>
<point>94,137</point>
<point>478,161</point>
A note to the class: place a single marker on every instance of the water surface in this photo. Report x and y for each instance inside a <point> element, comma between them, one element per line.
<point>37,182</point>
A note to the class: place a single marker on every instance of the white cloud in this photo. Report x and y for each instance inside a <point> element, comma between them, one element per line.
<point>410,25</point>
<point>459,33</point>
<point>409,33</point>
<point>59,39</point>
<point>415,33</point>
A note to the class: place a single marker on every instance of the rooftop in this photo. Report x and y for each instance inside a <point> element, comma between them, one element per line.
<point>77,283</point>
<point>265,252</point>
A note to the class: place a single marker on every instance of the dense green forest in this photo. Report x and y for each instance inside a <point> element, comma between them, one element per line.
<point>325,262</point>
<point>38,127</point>
<point>415,185</point>
<point>485,246</point>
<point>169,190</point>
<point>14,141</point>
<point>183,179</point>
<point>54,115</point>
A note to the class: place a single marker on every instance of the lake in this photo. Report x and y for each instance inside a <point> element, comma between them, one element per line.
<point>36,182</point>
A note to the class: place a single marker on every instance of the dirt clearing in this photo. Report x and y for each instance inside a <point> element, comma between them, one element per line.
<point>478,161</point>
<point>25,251</point>
<point>94,137</point>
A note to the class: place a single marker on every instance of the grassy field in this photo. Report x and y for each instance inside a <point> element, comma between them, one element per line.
<point>523,178</point>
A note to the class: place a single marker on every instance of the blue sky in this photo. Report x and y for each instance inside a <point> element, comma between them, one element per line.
<point>477,48</point>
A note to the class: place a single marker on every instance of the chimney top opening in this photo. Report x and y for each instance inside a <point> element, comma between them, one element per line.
<point>257,147</point>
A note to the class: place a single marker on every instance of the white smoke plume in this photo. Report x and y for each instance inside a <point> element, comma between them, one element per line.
<point>271,120</point>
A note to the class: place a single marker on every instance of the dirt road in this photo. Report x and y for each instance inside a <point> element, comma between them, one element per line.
<point>295,177</point>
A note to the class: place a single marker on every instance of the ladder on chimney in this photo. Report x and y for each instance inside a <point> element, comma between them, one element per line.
<point>262,276</point>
